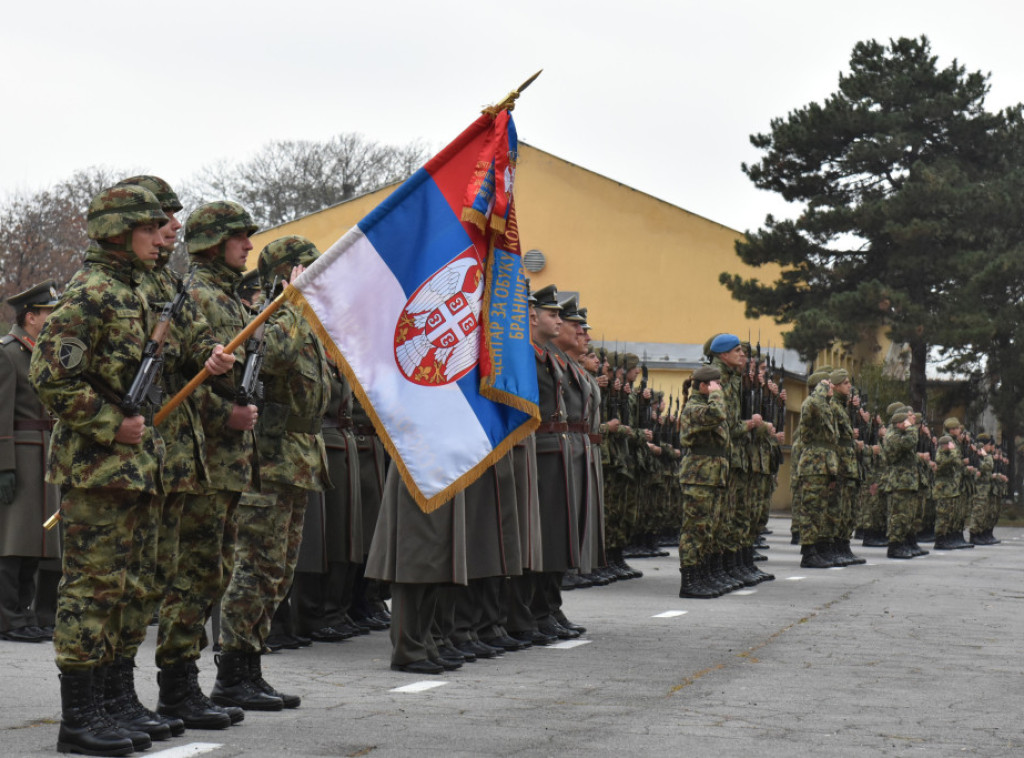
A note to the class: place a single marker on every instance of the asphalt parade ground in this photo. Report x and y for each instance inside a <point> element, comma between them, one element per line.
<point>893,658</point>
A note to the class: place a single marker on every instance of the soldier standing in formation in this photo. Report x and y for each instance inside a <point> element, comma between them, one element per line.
<point>217,239</point>
<point>106,461</point>
<point>26,500</point>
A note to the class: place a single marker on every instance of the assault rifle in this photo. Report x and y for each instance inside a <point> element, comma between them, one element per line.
<point>145,385</point>
<point>250,387</point>
<point>644,404</point>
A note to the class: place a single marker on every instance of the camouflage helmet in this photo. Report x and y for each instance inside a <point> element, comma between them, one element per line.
<point>169,202</point>
<point>209,225</point>
<point>283,254</point>
<point>116,210</point>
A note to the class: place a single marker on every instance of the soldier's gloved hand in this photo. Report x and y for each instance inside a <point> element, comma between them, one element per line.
<point>7,485</point>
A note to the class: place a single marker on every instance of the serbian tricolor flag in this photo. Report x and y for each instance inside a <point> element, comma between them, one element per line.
<point>424,306</point>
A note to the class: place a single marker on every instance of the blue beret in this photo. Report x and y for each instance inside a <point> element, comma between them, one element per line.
<point>723,343</point>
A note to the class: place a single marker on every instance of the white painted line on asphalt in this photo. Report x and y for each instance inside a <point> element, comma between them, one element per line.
<point>743,592</point>
<point>836,568</point>
<point>795,578</point>
<point>568,644</point>
<point>668,615</point>
<point>182,751</point>
<point>421,686</point>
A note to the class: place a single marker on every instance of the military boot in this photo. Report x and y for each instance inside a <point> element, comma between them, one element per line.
<point>735,568</point>
<point>140,740</point>
<point>827,553</point>
<point>758,574</point>
<point>991,537</point>
<point>704,570</point>
<point>899,550</point>
<point>944,542</point>
<point>691,584</point>
<point>256,676</point>
<point>181,697</point>
<point>84,726</point>
<point>873,538</point>
<point>812,559</point>
<point>235,688</point>
<point>958,542</point>
<point>917,549</point>
<point>122,703</point>
<point>851,559</point>
<point>725,582</point>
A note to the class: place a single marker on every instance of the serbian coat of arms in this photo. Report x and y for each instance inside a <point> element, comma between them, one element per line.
<point>437,337</point>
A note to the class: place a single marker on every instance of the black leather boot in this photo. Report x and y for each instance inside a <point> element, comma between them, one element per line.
<point>691,584</point>
<point>735,568</point>
<point>899,550</point>
<point>851,559</point>
<point>704,571</point>
<point>874,538</point>
<point>181,697</point>
<point>256,676</point>
<point>122,703</point>
<point>234,687</point>
<point>100,674</point>
<point>721,573</point>
<point>84,726</point>
<point>812,559</point>
<point>761,576</point>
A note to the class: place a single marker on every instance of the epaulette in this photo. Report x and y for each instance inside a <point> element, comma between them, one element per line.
<point>7,339</point>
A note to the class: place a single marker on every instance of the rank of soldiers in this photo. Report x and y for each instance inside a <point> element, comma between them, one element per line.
<point>264,503</point>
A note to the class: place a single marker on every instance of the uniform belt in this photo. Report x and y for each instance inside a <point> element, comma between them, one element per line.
<point>847,443</point>
<point>596,438</point>
<point>303,425</point>
<point>553,427</point>
<point>33,425</point>
<point>577,428</point>
<point>710,452</point>
<point>330,423</point>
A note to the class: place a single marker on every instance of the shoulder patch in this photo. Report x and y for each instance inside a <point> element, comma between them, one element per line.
<point>70,352</point>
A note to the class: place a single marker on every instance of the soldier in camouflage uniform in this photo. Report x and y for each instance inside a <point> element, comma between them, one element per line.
<point>217,239</point>
<point>848,482</point>
<point>704,475</point>
<point>904,479</point>
<point>981,507</point>
<point>183,471</point>
<point>949,472</point>
<point>730,359</point>
<point>107,464</point>
<point>293,462</point>
<point>818,469</point>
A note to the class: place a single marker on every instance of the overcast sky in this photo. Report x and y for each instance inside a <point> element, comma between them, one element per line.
<point>662,96</point>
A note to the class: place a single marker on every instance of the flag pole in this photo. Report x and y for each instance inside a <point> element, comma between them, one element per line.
<point>231,347</point>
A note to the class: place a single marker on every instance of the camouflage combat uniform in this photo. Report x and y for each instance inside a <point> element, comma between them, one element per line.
<point>293,461</point>
<point>86,357</point>
<point>704,474</point>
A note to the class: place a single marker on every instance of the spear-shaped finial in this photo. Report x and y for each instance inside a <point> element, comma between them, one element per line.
<point>509,102</point>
